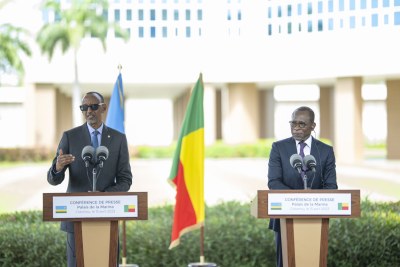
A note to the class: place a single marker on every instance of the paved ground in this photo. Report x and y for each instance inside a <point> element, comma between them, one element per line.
<point>21,188</point>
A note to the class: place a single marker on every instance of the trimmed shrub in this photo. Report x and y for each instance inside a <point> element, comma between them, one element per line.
<point>232,238</point>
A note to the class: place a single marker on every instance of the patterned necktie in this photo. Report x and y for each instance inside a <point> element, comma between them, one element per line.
<point>95,141</point>
<point>302,145</point>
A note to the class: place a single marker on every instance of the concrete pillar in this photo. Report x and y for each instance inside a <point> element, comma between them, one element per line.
<point>393,113</point>
<point>348,135</point>
<point>241,118</point>
<point>45,116</point>
<point>179,108</point>
<point>267,108</point>
<point>210,117</point>
<point>63,115</point>
<point>326,120</point>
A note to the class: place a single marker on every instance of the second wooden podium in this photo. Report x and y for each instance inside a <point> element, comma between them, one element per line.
<point>95,216</point>
<point>304,220</point>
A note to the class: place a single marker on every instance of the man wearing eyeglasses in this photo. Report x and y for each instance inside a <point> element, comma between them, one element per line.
<point>115,175</point>
<point>281,174</point>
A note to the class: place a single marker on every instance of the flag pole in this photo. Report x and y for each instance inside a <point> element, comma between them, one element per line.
<point>123,222</point>
<point>202,244</point>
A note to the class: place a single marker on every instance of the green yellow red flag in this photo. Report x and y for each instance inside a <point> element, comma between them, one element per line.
<point>187,172</point>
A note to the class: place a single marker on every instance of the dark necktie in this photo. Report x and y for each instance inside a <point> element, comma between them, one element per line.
<point>95,141</point>
<point>302,145</point>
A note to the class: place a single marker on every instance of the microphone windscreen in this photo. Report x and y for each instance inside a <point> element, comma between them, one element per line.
<point>309,159</point>
<point>87,151</point>
<point>102,151</point>
<point>295,159</point>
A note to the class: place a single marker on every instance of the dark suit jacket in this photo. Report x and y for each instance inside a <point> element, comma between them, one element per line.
<point>114,176</point>
<point>281,175</point>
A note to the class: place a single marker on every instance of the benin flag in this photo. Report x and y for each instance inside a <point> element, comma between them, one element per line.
<point>187,172</point>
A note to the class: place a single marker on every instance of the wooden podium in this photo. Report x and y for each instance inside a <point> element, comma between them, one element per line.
<point>304,220</point>
<point>95,216</point>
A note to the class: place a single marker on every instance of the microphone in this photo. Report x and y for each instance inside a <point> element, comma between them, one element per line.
<point>101,155</point>
<point>310,162</point>
<point>87,154</point>
<point>296,161</point>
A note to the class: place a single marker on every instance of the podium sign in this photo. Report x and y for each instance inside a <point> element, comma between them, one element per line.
<point>95,206</point>
<point>309,204</point>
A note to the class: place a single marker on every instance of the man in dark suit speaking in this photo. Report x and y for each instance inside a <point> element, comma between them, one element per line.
<point>281,174</point>
<point>115,174</point>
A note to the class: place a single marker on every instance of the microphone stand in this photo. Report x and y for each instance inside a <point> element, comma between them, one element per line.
<point>305,181</point>
<point>94,174</point>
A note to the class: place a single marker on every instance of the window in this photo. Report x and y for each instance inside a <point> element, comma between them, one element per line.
<point>309,26</point>
<point>279,12</point>
<point>164,14</point>
<point>309,8</point>
<point>128,14</point>
<point>320,25</point>
<point>363,4</point>
<point>140,14</point>
<point>188,32</point>
<point>269,12</point>
<point>352,4</point>
<point>396,18</point>
<point>199,14</point>
<point>363,21</point>
<point>352,22</point>
<point>374,20</point>
<point>141,32</point>
<point>320,7</point>
<point>341,5</point>
<point>289,10</point>
<point>229,15</point>
<point>289,28</point>
<point>164,32</point>
<point>299,9</point>
<point>239,15</point>
<point>330,5</point>
<point>386,3</point>
<point>176,14</point>
<point>187,14</point>
<point>269,29</point>
<point>386,19</point>
<point>152,32</point>
<point>152,14</point>
<point>396,2</point>
<point>117,16</point>
<point>330,24</point>
<point>374,4</point>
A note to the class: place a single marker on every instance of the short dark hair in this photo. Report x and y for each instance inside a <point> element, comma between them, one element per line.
<point>304,108</point>
<point>98,94</point>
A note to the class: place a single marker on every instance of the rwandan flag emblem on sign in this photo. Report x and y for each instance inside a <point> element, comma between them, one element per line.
<point>343,206</point>
<point>129,208</point>
<point>276,206</point>
<point>61,209</point>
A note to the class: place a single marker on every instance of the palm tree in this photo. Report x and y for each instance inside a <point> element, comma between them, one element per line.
<point>82,18</point>
<point>12,45</point>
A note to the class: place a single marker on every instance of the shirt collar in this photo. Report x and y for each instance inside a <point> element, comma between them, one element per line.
<point>91,129</point>
<point>307,141</point>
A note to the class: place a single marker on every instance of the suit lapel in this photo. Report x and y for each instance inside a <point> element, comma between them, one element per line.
<point>291,146</point>
<point>86,135</point>
<point>106,136</point>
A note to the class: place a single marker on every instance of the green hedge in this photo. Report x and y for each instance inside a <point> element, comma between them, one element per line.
<point>232,238</point>
<point>217,150</point>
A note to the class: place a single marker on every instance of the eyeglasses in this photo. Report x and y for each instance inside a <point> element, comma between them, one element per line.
<point>301,124</point>
<point>92,107</point>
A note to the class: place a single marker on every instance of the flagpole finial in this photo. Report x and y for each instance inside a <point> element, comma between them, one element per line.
<point>119,68</point>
